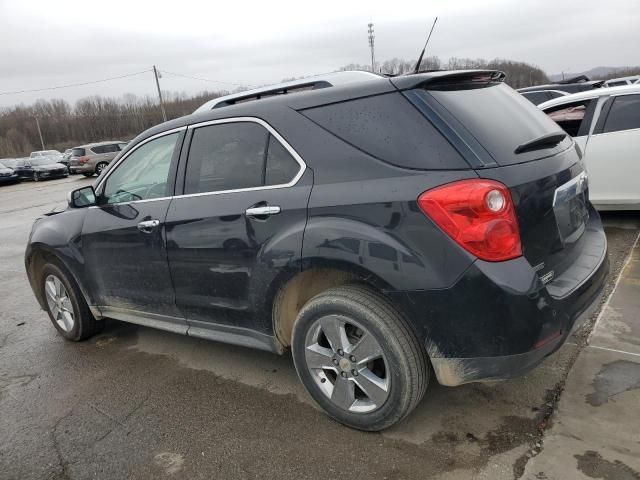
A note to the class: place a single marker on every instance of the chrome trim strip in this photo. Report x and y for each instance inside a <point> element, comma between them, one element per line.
<point>230,334</point>
<point>162,322</point>
<point>283,142</point>
<point>121,159</point>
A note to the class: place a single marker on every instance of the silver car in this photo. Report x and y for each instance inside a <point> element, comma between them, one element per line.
<point>92,158</point>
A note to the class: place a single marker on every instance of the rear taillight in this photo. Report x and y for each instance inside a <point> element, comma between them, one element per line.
<point>478,214</point>
<point>83,160</point>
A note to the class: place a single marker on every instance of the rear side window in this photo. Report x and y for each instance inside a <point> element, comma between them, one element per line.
<point>98,149</point>
<point>281,167</point>
<point>234,156</point>
<point>389,128</point>
<point>624,114</point>
<point>110,148</point>
<point>77,152</point>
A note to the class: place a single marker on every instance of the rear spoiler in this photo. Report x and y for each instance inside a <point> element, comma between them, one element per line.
<point>449,80</point>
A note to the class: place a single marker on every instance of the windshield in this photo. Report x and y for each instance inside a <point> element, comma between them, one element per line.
<point>41,161</point>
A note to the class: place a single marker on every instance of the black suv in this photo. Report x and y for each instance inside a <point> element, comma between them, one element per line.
<point>388,231</point>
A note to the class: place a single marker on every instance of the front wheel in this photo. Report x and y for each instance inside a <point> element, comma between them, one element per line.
<point>66,306</point>
<point>358,358</point>
<point>36,177</point>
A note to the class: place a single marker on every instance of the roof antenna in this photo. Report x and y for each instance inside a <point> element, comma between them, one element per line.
<point>425,47</point>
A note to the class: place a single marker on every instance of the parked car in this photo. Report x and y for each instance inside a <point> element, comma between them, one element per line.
<point>605,123</point>
<point>580,83</point>
<point>622,81</point>
<point>446,222</point>
<point>39,168</point>
<point>92,158</point>
<point>53,155</point>
<point>540,96</point>
<point>7,175</point>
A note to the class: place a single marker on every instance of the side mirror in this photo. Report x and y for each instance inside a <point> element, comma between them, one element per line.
<point>82,197</point>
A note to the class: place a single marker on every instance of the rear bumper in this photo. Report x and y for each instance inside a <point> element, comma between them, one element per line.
<point>81,168</point>
<point>457,371</point>
<point>499,320</point>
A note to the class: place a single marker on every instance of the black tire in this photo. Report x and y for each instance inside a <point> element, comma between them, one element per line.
<point>100,167</point>
<point>87,174</point>
<point>406,358</point>
<point>85,325</point>
<point>36,177</point>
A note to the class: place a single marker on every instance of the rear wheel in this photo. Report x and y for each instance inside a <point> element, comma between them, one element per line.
<point>36,177</point>
<point>66,306</point>
<point>86,174</point>
<point>358,358</point>
<point>100,167</point>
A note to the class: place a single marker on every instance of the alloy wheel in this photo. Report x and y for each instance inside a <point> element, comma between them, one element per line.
<point>59,303</point>
<point>347,363</point>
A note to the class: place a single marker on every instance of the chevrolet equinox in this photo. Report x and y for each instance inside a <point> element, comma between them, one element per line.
<point>390,232</point>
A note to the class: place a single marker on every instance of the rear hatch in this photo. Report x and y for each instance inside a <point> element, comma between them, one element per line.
<point>506,138</point>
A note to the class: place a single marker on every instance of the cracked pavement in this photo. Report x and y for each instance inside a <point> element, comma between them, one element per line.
<point>139,403</point>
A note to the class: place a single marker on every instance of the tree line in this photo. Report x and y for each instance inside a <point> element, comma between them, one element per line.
<point>90,119</point>
<point>96,118</point>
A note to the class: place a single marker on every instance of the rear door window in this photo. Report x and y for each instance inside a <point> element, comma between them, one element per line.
<point>112,147</point>
<point>98,149</point>
<point>389,128</point>
<point>624,114</point>
<point>237,155</point>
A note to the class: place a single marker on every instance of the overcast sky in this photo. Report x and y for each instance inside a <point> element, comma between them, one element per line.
<point>49,43</point>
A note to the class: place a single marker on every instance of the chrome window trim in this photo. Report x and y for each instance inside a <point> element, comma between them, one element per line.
<point>267,126</point>
<point>124,157</point>
<point>272,131</point>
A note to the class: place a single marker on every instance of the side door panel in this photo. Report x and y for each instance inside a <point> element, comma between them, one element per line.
<point>224,261</point>
<point>125,259</point>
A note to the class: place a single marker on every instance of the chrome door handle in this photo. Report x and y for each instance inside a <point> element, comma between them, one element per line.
<point>148,225</point>
<point>262,211</point>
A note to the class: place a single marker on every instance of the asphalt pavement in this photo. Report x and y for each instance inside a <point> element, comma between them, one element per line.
<point>139,403</point>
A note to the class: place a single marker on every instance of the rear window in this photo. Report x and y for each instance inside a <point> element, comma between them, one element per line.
<point>499,118</point>
<point>77,152</point>
<point>389,128</point>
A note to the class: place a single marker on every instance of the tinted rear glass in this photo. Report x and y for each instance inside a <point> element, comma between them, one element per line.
<point>389,128</point>
<point>499,118</point>
<point>77,152</point>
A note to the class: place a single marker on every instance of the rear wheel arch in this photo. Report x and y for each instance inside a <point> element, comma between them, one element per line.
<point>292,293</point>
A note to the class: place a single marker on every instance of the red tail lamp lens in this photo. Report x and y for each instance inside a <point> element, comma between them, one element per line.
<point>478,214</point>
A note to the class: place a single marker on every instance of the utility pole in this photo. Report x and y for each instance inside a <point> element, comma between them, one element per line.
<point>371,45</point>
<point>156,74</point>
<point>39,132</point>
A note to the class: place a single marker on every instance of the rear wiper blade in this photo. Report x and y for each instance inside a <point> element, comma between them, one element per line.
<point>545,141</point>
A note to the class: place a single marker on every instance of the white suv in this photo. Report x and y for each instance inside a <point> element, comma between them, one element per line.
<point>605,123</point>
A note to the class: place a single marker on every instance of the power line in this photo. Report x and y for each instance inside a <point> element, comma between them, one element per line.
<point>205,79</point>
<point>74,84</point>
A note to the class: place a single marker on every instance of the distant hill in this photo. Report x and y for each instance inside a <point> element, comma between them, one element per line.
<point>599,73</point>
